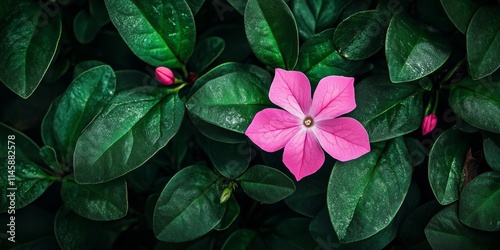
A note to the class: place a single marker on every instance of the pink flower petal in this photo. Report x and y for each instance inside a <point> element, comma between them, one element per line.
<point>343,138</point>
<point>291,90</point>
<point>271,129</point>
<point>333,97</point>
<point>303,156</point>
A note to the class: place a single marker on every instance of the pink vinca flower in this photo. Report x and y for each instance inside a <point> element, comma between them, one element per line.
<point>305,126</point>
<point>429,123</point>
<point>165,75</point>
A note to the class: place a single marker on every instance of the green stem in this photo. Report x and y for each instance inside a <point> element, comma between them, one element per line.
<point>451,72</point>
<point>184,71</point>
<point>436,102</point>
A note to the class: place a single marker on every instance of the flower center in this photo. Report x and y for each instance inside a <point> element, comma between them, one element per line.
<point>308,122</point>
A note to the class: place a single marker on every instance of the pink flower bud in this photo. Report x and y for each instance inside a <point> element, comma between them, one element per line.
<point>165,75</point>
<point>429,123</point>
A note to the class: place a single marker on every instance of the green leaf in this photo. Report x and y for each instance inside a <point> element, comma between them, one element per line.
<point>238,5</point>
<point>446,160</point>
<point>126,79</point>
<point>483,42</point>
<point>85,27</point>
<point>411,232</point>
<point>205,53</point>
<point>491,149</point>
<point>387,110</point>
<point>49,156</point>
<point>103,202</point>
<point>417,151</point>
<point>230,101</point>
<point>25,148</point>
<point>84,66</point>
<point>445,231</point>
<point>362,190</point>
<point>189,205</point>
<point>479,202</point>
<point>272,33</point>
<point>469,98</point>
<point>318,58</point>
<point>314,16</point>
<point>412,51</point>
<point>161,33</point>
<point>266,184</point>
<point>26,30</point>
<point>29,181</point>
<point>362,34</point>
<point>195,5</point>
<point>309,197</point>
<point>75,232</point>
<point>148,116</point>
<point>292,233</point>
<point>231,160</point>
<point>142,179</point>
<point>230,215</point>
<point>80,103</point>
<point>99,12</point>
<point>460,12</point>
<point>243,239</point>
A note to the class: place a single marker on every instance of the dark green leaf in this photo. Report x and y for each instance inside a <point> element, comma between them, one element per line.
<point>411,232</point>
<point>469,99</point>
<point>25,148</point>
<point>195,5</point>
<point>99,12</point>
<point>230,101</point>
<point>314,16</point>
<point>105,201</point>
<point>230,215</point>
<point>460,12</point>
<point>318,58</point>
<point>49,157</point>
<point>143,179</point>
<point>84,66</point>
<point>388,110</point>
<point>362,190</point>
<point>362,34</point>
<point>446,160</point>
<point>479,202</point>
<point>412,51</point>
<point>189,205</point>
<point>205,53</point>
<point>483,42</point>
<point>491,149</point>
<point>292,233</point>
<point>266,184</point>
<point>148,116</point>
<point>75,232</point>
<point>126,79</point>
<point>417,151</point>
<point>272,33</point>
<point>445,231</point>
<point>243,239</point>
<point>432,12</point>
<point>309,197</point>
<point>231,160</point>
<point>29,41</point>
<point>29,181</point>
<point>78,106</point>
<point>85,27</point>
<point>161,33</point>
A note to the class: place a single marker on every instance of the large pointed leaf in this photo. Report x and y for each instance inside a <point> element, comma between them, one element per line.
<point>365,194</point>
<point>469,98</point>
<point>446,161</point>
<point>160,32</point>
<point>29,39</point>
<point>483,42</point>
<point>491,149</point>
<point>104,201</point>
<point>460,12</point>
<point>412,51</point>
<point>133,127</point>
<point>79,104</point>
<point>388,110</point>
<point>272,33</point>
<point>189,205</point>
<point>266,184</point>
<point>479,202</point>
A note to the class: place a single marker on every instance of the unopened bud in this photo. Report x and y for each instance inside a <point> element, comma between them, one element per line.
<point>164,75</point>
<point>429,124</point>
